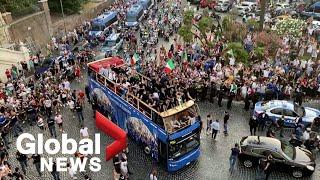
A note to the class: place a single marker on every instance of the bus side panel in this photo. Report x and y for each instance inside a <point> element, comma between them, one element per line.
<point>138,126</point>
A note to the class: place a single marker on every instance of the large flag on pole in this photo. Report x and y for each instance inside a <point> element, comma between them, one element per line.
<point>134,59</point>
<point>169,66</point>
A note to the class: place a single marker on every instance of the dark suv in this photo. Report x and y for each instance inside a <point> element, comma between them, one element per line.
<point>300,162</point>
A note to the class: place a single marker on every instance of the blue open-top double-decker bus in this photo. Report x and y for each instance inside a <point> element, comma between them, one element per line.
<point>175,146</point>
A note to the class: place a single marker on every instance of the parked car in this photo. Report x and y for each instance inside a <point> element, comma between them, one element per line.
<point>282,6</point>
<point>242,10</point>
<point>223,7</point>
<point>248,5</point>
<point>291,111</point>
<point>298,161</point>
<point>194,1</point>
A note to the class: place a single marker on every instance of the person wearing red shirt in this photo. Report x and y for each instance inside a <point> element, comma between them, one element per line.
<point>77,73</point>
<point>8,74</point>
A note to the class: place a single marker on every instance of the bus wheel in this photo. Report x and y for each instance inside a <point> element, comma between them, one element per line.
<point>147,150</point>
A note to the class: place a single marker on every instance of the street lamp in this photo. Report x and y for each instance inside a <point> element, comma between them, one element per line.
<point>64,22</point>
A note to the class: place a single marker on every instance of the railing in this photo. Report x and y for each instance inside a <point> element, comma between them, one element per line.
<point>141,106</point>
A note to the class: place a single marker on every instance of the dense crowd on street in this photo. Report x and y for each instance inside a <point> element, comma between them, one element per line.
<point>39,100</point>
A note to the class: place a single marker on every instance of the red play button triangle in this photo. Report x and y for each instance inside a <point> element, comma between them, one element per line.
<point>114,131</point>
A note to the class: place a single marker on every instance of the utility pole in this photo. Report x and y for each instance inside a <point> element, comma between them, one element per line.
<point>64,22</point>
<point>262,13</point>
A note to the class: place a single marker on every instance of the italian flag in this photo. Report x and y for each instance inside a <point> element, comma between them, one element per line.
<point>134,59</point>
<point>169,67</point>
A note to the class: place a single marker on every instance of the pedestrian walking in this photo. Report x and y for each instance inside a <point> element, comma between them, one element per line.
<point>235,151</point>
<point>36,161</point>
<point>51,127</point>
<point>209,121</point>
<point>87,92</point>
<point>253,126</point>
<point>48,106</point>
<point>40,122</point>
<point>84,132</point>
<point>153,175</point>
<point>71,106</point>
<point>280,124</point>
<point>14,124</point>
<point>79,110</point>
<point>225,122</point>
<point>215,128</point>
<point>23,160</point>
<point>246,102</point>
<point>264,167</point>
<point>54,171</point>
<point>59,120</point>
<point>71,172</point>
<point>262,119</point>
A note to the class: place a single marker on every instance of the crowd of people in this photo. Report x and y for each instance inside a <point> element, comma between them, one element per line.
<point>197,75</point>
<point>40,99</point>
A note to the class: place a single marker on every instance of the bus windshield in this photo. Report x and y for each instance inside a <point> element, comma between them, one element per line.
<point>181,119</point>
<point>183,145</point>
<point>95,27</point>
<point>131,18</point>
<point>110,43</point>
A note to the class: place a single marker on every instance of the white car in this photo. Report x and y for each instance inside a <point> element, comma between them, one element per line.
<point>251,5</point>
<point>316,24</point>
<point>242,10</point>
<point>223,7</point>
<point>280,6</point>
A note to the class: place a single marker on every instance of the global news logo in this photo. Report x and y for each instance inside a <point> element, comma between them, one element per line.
<point>28,144</point>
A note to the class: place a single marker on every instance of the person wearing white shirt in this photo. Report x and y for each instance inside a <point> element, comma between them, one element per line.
<point>66,84</point>
<point>215,127</point>
<point>153,175</point>
<point>306,134</point>
<point>84,132</point>
<point>124,166</point>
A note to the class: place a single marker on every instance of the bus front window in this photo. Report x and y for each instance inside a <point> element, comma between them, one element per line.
<point>95,27</point>
<point>110,43</point>
<point>184,145</point>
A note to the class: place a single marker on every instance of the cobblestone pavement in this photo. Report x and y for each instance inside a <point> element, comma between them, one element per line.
<point>212,164</point>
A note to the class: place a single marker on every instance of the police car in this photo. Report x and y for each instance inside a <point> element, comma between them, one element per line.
<point>291,111</point>
<point>113,43</point>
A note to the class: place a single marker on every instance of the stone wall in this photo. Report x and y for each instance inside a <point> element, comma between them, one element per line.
<point>33,27</point>
<point>77,19</point>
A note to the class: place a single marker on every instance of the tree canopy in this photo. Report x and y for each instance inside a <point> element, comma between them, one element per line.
<point>69,6</point>
<point>23,7</point>
<point>191,29</point>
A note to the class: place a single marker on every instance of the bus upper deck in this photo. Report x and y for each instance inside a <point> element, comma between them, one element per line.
<point>113,73</point>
